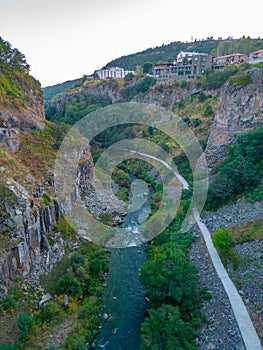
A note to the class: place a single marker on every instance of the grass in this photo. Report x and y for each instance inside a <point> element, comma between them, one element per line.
<point>240,80</point>
<point>17,89</point>
<point>246,232</point>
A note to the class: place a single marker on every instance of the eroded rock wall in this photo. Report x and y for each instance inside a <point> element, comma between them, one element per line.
<point>240,109</point>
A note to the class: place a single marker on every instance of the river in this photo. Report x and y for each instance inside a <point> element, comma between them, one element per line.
<point>125,304</point>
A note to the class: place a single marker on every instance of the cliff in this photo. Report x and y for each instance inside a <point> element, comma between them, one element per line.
<point>29,208</point>
<point>239,109</point>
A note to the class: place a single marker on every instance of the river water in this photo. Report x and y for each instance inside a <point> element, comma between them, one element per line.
<point>125,304</point>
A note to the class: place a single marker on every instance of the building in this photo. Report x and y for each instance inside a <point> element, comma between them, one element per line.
<point>188,65</point>
<point>222,61</point>
<point>256,57</point>
<point>112,72</point>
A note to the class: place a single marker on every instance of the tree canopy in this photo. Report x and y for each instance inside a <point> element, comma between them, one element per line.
<point>12,57</point>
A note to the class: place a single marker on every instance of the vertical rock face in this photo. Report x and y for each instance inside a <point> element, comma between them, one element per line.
<point>240,109</point>
<point>24,218</point>
<point>26,227</point>
<point>29,117</point>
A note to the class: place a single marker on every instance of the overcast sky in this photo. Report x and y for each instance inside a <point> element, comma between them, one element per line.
<point>64,39</point>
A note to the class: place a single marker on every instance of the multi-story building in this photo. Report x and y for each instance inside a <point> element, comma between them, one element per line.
<point>188,65</point>
<point>112,72</point>
<point>234,58</point>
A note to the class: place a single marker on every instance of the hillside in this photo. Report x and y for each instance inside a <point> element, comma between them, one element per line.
<point>165,53</point>
<point>39,250</point>
<point>169,52</point>
<point>51,91</point>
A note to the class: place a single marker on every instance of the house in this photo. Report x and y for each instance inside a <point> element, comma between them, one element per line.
<point>256,56</point>
<point>188,65</point>
<point>234,58</point>
<point>112,72</point>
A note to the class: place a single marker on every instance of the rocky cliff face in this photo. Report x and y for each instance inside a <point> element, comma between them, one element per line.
<point>24,219</point>
<point>24,115</point>
<point>25,226</point>
<point>28,205</point>
<point>240,109</point>
<point>115,90</point>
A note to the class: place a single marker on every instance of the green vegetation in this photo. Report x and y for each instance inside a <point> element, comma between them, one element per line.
<point>214,79</point>
<point>11,58</point>
<point>80,105</point>
<point>46,199</point>
<point>169,52</point>
<point>222,242</point>
<point>171,283</point>
<point>240,80</point>
<point>140,87</point>
<point>75,285</point>
<point>51,91</point>
<point>243,45</point>
<point>17,87</point>
<point>241,172</point>
<point>246,232</point>
<point>175,278</point>
<point>164,329</point>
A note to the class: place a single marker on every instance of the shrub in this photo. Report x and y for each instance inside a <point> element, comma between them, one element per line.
<point>8,303</point>
<point>128,77</point>
<point>46,199</point>
<point>8,347</point>
<point>222,242</point>
<point>240,80</point>
<point>196,122</point>
<point>208,111</point>
<point>201,97</point>
<point>68,284</point>
<point>24,324</point>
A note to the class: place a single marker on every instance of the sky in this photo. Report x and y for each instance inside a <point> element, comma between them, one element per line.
<point>65,39</point>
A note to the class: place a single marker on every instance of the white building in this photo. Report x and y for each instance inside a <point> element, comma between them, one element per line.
<point>112,72</point>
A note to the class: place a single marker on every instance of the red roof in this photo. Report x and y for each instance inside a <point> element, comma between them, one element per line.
<point>233,54</point>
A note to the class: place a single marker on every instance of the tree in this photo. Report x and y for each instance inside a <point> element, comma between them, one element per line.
<point>164,329</point>
<point>68,284</point>
<point>147,68</point>
<point>128,77</point>
<point>169,277</point>
<point>12,58</point>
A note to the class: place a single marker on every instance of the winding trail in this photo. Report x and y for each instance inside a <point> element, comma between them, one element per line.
<point>247,330</point>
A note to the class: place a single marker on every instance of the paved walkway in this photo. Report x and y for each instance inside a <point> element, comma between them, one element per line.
<point>246,327</point>
<point>249,335</point>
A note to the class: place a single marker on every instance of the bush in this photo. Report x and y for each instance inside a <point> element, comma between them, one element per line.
<point>222,242</point>
<point>8,303</point>
<point>8,347</point>
<point>68,284</point>
<point>208,111</point>
<point>46,199</point>
<point>24,324</point>
<point>128,77</point>
<point>240,80</point>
